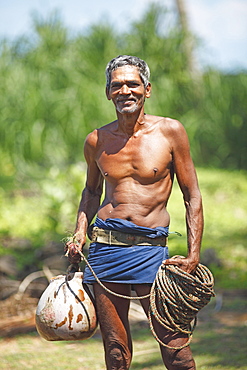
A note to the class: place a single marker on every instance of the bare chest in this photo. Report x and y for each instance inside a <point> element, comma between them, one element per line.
<point>145,157</point>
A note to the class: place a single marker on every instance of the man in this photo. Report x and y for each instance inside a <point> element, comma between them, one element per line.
<point>136,157</point>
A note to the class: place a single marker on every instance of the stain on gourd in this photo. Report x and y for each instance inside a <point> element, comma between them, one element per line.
<point>80,296</point>
<point>70,315</point>
<point>79,317</point>
<point>61,323</point>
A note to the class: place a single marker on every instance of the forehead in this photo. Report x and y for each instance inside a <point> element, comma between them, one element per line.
<point>126,73</point>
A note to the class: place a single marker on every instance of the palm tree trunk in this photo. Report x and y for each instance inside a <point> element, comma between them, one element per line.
<point>189,41</point>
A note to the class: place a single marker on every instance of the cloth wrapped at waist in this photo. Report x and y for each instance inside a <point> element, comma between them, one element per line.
<point>126,233</point>
<point>124,226</point>
<point>135,264</point>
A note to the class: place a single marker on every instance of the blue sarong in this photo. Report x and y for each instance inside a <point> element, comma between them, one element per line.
<point>126,264</point>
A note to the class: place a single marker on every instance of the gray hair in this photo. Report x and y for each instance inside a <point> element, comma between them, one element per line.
<point>123,60</point>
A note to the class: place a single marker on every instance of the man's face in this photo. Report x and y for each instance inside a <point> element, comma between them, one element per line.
<point>127,90</point>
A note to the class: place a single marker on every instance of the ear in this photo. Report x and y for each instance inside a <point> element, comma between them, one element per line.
<point>148,90</point>
<point>107,92</point>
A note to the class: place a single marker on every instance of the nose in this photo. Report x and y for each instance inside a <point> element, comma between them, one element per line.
<point>125,90</point>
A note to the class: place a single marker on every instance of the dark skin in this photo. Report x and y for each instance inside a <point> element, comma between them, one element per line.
<point>137,156</point>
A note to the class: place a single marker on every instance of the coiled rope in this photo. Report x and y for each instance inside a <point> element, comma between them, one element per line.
<point>175,298</point>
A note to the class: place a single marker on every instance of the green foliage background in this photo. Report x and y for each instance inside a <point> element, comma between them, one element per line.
<point>52,95</point>
<point>52,92</point>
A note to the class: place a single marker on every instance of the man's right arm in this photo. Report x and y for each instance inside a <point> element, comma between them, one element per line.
<point>91,195</point>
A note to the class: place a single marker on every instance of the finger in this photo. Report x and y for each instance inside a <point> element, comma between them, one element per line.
<point>171,262</point>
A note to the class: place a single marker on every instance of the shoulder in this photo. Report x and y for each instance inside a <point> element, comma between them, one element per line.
<point>95,138</point>
<point>90,143</point>
<point>171,126</point>
<point>164,122</point>
<point>168,126</point>
<point>174,131</point>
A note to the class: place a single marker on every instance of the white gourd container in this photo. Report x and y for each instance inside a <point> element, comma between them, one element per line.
<point>66,310</point>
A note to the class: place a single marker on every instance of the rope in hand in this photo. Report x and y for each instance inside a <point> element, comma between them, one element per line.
<point>175,297</point>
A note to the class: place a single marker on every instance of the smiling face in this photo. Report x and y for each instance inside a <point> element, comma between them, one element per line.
<point>127,90</point>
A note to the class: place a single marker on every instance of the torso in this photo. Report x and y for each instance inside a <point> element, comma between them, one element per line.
<point>138,173</point>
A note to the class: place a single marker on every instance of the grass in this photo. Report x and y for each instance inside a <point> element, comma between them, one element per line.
<point>219,343</point>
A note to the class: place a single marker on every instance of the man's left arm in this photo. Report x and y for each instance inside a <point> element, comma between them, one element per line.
<point>187,180</point>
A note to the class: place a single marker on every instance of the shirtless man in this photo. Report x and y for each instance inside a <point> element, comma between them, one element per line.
<point>136,156</point>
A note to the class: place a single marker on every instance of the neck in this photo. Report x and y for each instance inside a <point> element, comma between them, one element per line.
<point>131,123</point>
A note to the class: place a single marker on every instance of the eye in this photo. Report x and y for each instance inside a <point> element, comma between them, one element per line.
<point>133,84</point>
<point>115,85</point>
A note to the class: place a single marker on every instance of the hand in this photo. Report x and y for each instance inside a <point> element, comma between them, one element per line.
<point>74,246</point>
<point>186,264</point>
